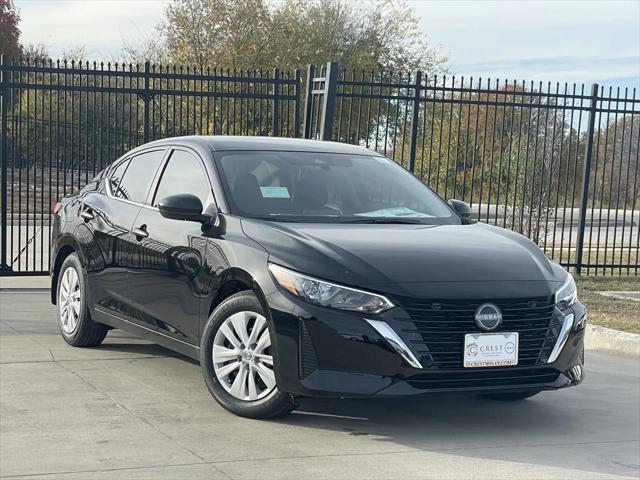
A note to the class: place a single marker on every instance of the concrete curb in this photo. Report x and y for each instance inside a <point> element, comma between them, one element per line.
<point>24,283</point>
<point>612,341</point>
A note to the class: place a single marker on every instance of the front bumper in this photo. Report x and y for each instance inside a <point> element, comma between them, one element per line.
<point>321,352</point>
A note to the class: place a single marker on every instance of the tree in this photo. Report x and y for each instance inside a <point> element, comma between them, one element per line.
<point>9,31</point>
<point>258,34</point>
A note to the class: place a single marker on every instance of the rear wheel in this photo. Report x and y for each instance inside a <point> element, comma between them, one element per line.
<point>237,359</point>
<point>511,396</point>
<point>76,326</point>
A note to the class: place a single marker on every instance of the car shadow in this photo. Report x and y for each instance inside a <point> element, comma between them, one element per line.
<point>542,430</point>
<point>120,341</point>
<point>553,429</point>
<point>550,429</point>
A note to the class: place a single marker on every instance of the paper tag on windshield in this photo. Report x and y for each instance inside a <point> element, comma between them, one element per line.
<point>274,192</point>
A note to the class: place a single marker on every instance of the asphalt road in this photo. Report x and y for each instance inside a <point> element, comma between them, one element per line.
<point>129,409</point>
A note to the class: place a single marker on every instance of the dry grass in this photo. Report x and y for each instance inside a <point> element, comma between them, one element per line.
<point>608,311</point>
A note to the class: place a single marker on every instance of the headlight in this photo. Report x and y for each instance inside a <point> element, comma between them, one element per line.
<point>329,294</point>
<point>567,294</point>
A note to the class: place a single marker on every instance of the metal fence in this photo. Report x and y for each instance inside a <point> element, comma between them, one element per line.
<point>556,162</point>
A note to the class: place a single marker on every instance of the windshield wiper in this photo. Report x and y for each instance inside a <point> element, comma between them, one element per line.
<point>410,221</point>
<point>274,218</point>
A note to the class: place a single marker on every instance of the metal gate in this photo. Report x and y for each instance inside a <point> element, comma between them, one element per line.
<point>556,162</point>
<point>63,122</point>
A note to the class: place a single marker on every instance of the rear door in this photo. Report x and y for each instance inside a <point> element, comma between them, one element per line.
<point>109,218</point>
<point>167,275</point>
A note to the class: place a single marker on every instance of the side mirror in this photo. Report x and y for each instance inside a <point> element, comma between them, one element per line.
<point>461,208</point>
<point>183,206</point>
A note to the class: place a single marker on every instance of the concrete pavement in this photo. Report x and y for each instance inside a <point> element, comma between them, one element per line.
<point>130,409</point>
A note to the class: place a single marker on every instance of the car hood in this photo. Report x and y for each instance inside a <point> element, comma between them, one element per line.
<point>384,254</point>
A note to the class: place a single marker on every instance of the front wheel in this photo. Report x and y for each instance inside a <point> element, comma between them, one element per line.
<point>237,359</point>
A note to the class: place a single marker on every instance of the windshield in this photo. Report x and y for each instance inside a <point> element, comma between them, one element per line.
<point>328,188</point>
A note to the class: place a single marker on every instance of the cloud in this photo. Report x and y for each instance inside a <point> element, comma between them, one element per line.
<point>102,26</point>
<point>532,40</point>
<point>550,40</point>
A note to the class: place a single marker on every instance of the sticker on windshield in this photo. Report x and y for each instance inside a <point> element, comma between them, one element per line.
<point>274,192</point>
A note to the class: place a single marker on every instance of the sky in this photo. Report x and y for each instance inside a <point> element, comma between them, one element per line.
<point>566,41</point>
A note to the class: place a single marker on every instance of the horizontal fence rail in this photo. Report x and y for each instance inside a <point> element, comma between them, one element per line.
<point>555,162</point>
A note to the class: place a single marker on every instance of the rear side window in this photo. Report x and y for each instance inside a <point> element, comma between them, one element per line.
<point>184,174</point>
<point>116,175</point>
<point>138,176</point>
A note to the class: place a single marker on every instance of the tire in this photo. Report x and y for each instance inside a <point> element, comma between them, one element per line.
<point>75,323</point>
<point>511,396</point>
<point>233,367</point>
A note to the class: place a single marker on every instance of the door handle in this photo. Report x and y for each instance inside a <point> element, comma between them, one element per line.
<point>87,214</point>
<point>140,232</point>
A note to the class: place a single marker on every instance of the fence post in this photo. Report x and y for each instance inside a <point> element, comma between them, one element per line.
<point>4,150</point>
<point>275,112</point>
<point>296,113</point>
<point>414,123</point>
<point>308,101</point>
<point>146,97</point>
<point>328,101</point>
<point>586,172</point>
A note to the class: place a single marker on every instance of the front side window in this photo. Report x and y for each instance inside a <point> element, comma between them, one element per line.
<point>138,176</point>
<point>327,187</point>
<point>184,174</point>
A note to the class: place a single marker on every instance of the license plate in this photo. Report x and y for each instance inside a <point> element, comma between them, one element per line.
<point>490,349</point>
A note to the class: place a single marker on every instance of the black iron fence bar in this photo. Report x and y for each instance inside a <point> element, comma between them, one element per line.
<point>152,74</point>
<point>415,119</point>
<point>504,91</point>
<point>4,154</point>
<point>470,90</point>
<point>275,113</point>
<point>297,95</point>
<point>328,101</point>
<point>461,101</point>
<point>308,102</point>
<point>142,91</point>
<point>462,89</point>
<point>146,98</point>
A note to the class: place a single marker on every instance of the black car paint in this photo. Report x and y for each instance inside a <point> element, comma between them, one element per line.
<point>164,286</point>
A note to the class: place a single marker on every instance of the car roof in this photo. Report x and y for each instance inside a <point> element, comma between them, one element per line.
<point>222,143</point>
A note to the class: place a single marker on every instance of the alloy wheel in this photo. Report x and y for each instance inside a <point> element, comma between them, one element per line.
<point>69,298</point>
<point>242,358</point>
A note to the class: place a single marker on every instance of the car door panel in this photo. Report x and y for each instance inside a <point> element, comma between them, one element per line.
<point>103,232</point>
<point>165,282</point>
<point>113,242</point>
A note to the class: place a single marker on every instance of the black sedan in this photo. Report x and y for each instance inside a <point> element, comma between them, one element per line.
<point>296,268</point>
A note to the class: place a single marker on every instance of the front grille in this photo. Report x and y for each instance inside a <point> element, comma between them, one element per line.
<point>443,325</point>
<point>484,378</point>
